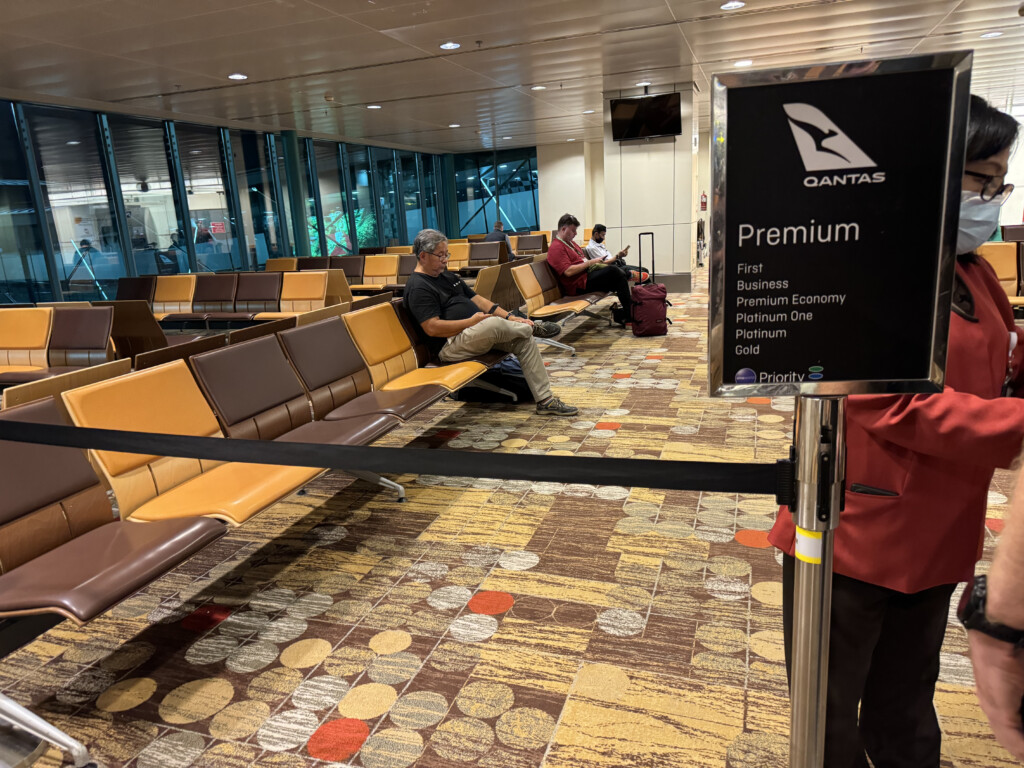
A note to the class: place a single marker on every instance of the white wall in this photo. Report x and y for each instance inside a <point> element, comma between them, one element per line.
<point>1012,211</point>
<point>594,212</point>
<point>649,188</point>
<point>562,178</point>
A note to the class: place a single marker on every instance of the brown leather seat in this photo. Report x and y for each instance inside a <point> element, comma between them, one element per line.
<point>134,328</point>
<point>256,292</point>
<point>213,293</point>
<point>79,337</point>
<point>406,266</point>
<point>313,262</point>
<point>62,550</point>
<point>352,266</point>
<point>256,395</point>
<point>419,345</point>
<point>532,244</point>
<point>337,380</point>
<point>136,288</point>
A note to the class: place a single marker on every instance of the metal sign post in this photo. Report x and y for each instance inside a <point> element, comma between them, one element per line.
<point>833,230</point>
<point>820,434</point>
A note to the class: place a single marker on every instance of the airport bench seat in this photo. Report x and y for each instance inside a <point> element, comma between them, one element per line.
<point>543,295</point>
<point>423,356</point>
<point>61,549</point>
<point>337,380</point>
<point>388,351</point>
<point>212,293</point>
<point>79,338</point>
<point>379,271</point>
<point>24,337</point>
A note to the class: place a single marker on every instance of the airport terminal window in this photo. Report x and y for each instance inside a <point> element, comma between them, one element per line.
<point>387,195</point>
<point>154,224</point>
<point>213,231</point>
<point>493,185</point>
<point>23,274</point>
<point>431,206</point>
<point>367,233</point>
<point>517,189</point>
<point>340,241</point>
<point>475,190</point>
<point>87,250</point>
<point>259,212</point>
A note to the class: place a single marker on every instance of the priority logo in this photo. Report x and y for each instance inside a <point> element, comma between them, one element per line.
<point>823,146</point>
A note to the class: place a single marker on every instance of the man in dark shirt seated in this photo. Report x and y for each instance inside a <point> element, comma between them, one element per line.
<point>497,235</point>
<point>459,325</point>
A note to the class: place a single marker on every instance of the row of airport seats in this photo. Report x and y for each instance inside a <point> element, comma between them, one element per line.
<point>40,342</point>
<point>1007,260</point>
<point>538,284</point>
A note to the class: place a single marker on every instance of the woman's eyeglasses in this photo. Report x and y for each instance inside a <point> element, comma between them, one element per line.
<point>992,187</point>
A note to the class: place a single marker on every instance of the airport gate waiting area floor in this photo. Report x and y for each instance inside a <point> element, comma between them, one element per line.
<point>499,624</point>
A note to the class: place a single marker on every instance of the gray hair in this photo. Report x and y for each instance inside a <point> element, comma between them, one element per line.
<point>427,241</point>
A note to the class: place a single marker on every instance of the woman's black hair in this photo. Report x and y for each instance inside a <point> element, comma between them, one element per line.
<point>989,131</point>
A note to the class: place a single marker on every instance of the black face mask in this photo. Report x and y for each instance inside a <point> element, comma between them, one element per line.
<point>599,237</point>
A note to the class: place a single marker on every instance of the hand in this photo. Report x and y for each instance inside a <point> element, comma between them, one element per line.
<point>999,677</point>
<point>621,254</point>
<point>517,319</point>
<point>479,317</point>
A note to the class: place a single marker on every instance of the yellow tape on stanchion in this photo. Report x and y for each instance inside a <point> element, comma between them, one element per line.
<point>808,546</point>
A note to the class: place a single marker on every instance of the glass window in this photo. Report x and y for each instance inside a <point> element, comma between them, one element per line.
<point>387,196</point>
<point>367,233</point>
<point>212,229</point>
<point>332,199</point>
<point>475,190</point>
<point>154,224</point>
<point>87,250</point>
<point>430,191</point>
<point>411,203</point>
<point>517,189</point>
<point>256,196</point>
<point>23,275</point>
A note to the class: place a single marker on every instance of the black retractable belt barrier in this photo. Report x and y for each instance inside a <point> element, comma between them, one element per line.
<point>646,473</point>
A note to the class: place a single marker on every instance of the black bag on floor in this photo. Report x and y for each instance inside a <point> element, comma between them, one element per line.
<point>507,375</point>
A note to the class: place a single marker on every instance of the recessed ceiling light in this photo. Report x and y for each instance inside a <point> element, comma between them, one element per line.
<point>451,45</point>
<point>744,63</point>
<point>237,76</point>
<point>506,138</point>
<point>570,139</point>
<point>196,152</point>
<point>987,35</point>
<point>733,5</point>
<point>588,111</point>
<point>454,125</point>
<point>503,165</point>
<point>644,83</point>
<point>72,143</point>
<point>373,106</point>
<point>539,88</point>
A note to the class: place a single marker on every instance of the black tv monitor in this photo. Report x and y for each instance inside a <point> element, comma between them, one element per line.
<point>646,117</point>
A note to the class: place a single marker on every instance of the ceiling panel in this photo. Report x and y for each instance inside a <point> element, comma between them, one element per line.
<point>315,64</point>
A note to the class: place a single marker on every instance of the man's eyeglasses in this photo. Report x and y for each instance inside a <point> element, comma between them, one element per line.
<point>444,255</point>
<point>992,187</point>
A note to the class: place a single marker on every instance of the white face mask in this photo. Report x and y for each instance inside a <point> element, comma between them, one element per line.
<point>978,220</point>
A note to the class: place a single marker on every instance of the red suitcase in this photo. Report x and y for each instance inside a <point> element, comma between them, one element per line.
<point>650,301</point>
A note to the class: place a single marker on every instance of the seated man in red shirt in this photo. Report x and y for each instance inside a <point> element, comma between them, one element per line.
<point>579,274</point>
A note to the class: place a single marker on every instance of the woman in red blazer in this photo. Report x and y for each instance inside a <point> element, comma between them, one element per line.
<point>918,471</point>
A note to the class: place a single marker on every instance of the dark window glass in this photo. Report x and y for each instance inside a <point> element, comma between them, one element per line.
<point>475,191</point>
<point>387,195</point>
<point>430,191</point>
<point>332,199</point>
<point>367,232</point>
<point>213,231</point>
<point>256,195</point>
<point>517,189</point>
<point>497,185</point>
<point>154,223</point>
<point>411,203</point>
<point>23,275</point>
<point>87,249</point>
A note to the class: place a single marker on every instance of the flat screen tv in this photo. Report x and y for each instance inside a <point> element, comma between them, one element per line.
<point>646,117</point>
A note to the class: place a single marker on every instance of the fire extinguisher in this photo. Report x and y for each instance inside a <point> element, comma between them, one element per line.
<point>703,201</point>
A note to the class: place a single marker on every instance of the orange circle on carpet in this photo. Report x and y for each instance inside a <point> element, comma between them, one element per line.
<point>621,375</point>
<point>607,425</point>
<point>759,400</point>
<point>490,603</point>
<point>338,740</point>
<point>755,539</point>
<point>654,357</point>
<point>995,525</point>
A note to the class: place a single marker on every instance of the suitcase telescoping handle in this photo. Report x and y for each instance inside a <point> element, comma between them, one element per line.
<point>640,251</point>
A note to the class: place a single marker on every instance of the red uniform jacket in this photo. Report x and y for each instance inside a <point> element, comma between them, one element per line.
<point>937,453</point>
<point>560,258</point>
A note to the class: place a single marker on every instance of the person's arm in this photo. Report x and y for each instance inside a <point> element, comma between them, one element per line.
<point>999,666</point>
<point>445,329</point>
<point>560,260</point>
<point>486,305</point>
<point>425,308</point>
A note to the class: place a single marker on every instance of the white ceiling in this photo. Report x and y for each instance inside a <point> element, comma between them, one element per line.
<point>314,65</point>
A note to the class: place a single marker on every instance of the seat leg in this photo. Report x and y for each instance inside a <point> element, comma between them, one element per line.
<point>557,344</point>
<point>13,712</point>
<point>588,313</point>
<point>373,477</point>
<point>494,388</point>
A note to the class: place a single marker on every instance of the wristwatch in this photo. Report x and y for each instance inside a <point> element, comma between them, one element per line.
<point>971,612</point>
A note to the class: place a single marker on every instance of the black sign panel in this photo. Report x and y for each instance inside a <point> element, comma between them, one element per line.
<point>834,225</point>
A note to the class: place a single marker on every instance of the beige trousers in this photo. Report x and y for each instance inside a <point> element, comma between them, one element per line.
<point>507,336</point>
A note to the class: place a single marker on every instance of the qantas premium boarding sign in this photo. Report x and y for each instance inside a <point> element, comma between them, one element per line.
<point>836,195</point>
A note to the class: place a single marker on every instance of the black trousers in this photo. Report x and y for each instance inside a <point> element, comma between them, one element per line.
<point>884,657</point>
<point>611,278</point>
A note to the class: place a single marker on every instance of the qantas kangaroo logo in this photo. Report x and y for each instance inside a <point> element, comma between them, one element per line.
<point>823,146</point>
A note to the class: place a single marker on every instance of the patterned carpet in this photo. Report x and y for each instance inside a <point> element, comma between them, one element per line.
<point>489,623</point>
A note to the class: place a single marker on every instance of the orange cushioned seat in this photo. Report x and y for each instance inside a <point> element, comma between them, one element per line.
<point>173,295</point>
<point>24,336</point>
<point>388,352</point>
<point>300,292</point>
<point>378,271</point>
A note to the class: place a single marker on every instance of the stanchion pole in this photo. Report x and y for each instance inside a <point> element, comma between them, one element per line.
<point>820,434</point>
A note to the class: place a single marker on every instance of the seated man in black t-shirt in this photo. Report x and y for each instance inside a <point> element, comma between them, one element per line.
<point>458,324</point>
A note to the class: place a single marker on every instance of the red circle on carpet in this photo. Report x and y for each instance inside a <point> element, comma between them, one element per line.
<point>755,539</point>
<point>490,603</point>
<point>607,425</point>
<point>338,739</point>
<point>995,525</point>
<point>207,617</point>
